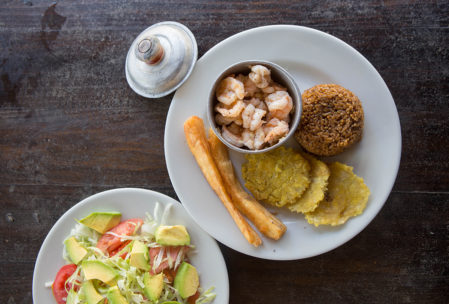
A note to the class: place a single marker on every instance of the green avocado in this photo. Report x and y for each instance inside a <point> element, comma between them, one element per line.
<point>153,285</point>
<point>139,256</point>
<point>100,271</point>
<point>172,235</point>
<point>90,293</point>
<point>186,280</point>
<point>170,302</point>
<point>101,221</point>
<point>115,297</point>
<point>75,250</point>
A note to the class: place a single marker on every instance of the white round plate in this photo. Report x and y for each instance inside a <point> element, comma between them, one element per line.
<point>312,57</point>
<point>207,257</point>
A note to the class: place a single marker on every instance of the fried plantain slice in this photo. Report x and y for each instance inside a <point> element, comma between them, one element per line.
<point>319,175</point>
<point>347,197</point>
<point>277,177</point>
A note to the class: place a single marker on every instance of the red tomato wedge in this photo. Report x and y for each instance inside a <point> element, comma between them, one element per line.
<point>170,274</point>
<point>108,243</point>
<point>117,250</point>
<point>192,299</point>
<point>59,284</point>
<point>173,251</point>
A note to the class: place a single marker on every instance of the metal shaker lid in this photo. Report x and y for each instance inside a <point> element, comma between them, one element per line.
<point>160,59</point>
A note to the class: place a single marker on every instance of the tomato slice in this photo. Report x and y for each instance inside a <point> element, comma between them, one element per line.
<point>173,251</point>
<point>170,274</point>
<point>117,250</point>
<point>59,284</point>
<point>192,299</point>
<point>108,243</point>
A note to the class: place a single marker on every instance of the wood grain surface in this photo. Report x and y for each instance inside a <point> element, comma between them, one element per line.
<point>70,127</point>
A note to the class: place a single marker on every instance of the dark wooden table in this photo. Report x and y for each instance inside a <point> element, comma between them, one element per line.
<point>70,127</point>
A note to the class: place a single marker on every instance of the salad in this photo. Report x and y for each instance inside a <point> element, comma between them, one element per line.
<point>115,261</point>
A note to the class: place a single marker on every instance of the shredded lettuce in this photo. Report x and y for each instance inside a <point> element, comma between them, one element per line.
<point>130,279</point>
<point>179,257</point>
<point>157,262</point>
<point>207,296</point>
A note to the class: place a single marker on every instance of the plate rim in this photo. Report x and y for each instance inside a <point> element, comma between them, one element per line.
<point>88,199</point>
<point>396,123</point>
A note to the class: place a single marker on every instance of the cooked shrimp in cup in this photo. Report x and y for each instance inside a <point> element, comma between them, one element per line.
<point>254,106</point>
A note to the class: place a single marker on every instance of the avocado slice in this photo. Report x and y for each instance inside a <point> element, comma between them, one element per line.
<point>186,280</point>
<point>153,285</point>
<point>75,250</point>
<point>139,256</point>
<point>172,235</point>
<point>102,221</point>
<point>115,297</point>
<point>90,293</point>
<point>100,271</point>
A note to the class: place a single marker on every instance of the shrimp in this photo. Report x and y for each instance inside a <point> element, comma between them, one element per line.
<point>247,115</point>
<point>260,75</point>
<point>272,88</point>
<point>275,129</point>
<point>230,137</point>
<point>269,116</point>
<point>230,111</point>
<point>257,120</point>
<point>250,88</point>
<point>221,120</point>
<point>278,87</point>
<point>229,90</point>
<point>235,128</point>
<point>268,90</point>
<point>257,103</point>
<point>238,121</point>
<point>252,117</point>
<point>260,95</point>
<point>248,139</point>
<point>259,139</point>
<point>279,104</point>
<point>241,78</point>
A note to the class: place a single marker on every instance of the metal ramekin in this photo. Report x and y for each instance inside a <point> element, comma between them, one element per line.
<point>279,75</point>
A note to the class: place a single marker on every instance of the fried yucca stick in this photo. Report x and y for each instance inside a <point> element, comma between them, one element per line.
<point>266,222</point>
<point>199,146</point>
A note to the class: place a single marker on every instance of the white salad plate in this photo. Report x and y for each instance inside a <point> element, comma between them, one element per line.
<point>132,203</point>
<point>311,57</point>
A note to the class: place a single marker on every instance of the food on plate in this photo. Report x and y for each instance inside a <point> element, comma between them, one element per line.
<point>98,270</point>
<point>314,194</point>
<point>135,261</point>
<point>277,177</point>
<point>347,196</point>
<point>60,285</point>
<point>326,194</point>
<point>199,146</point>
<point>264,221</point>
<point>331,121</point>
<point>186,280</point>
<point>101,221</point>
<point>172,235</point>
<point>75,250</point>
<point>110,243</point>
<point>154,285</point>
<point>253,110</point>
<point>115,297</point>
